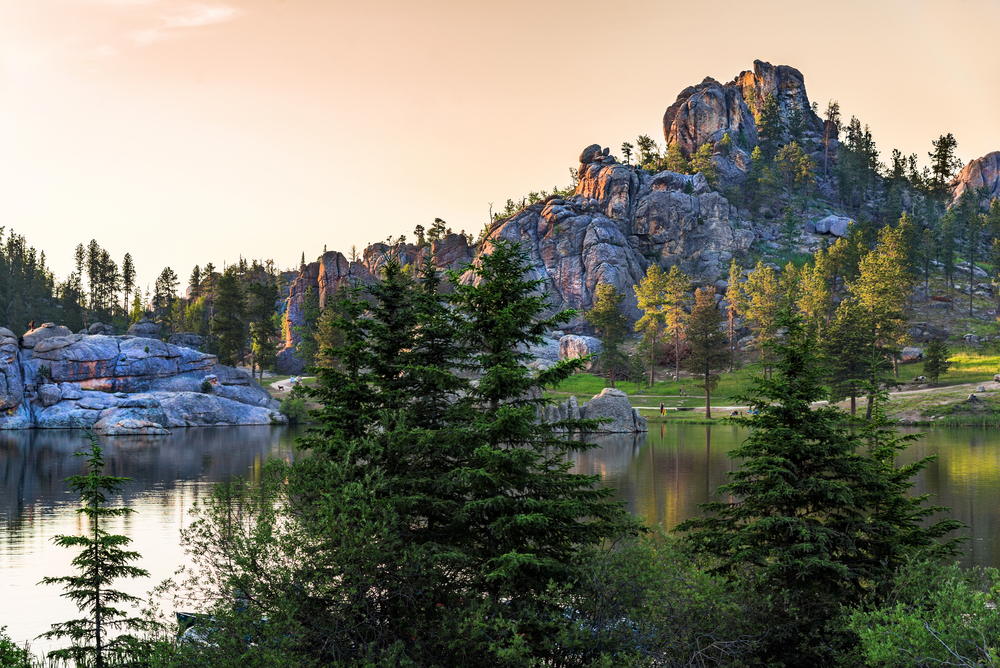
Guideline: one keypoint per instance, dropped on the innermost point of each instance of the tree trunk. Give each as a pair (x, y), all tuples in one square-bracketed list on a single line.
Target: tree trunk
[(677, 357), (854, 404), (708, 401), (895, 367), (868, 409), (652, 360)]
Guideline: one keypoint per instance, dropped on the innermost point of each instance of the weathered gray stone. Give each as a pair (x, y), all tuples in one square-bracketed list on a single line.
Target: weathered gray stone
[(98, 328), (49, 395), (144, 329), (193, 409), (614, 405), (46, 331), (70, 391), (910, 354), (187, 340), (840, 227)]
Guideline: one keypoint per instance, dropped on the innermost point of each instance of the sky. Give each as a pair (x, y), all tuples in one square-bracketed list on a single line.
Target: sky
[(192, 132)]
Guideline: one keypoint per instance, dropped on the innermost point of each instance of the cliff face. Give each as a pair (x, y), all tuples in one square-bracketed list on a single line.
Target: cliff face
[(979, 173), (618, 221), (705, 113)]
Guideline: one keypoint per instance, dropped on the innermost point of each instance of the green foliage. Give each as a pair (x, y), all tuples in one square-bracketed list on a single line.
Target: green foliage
[(944, 164), (807, 529), (229, 323), (12, 656), (675, 160), (708, 343), (101, 561), (936, 615), (701, 163), (607, 318), (295, 409), (435, 521), (769, 130), (206, 387), (936, 359)]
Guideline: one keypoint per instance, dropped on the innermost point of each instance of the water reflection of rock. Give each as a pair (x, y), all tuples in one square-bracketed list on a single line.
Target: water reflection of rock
[(34, 464)]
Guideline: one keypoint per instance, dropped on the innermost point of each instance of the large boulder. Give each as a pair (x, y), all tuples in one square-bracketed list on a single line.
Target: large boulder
[(187, 340), (573, 346), (613, 405), (911, 354), (191, 409), (99, 328), (49, 330), (145, 329)]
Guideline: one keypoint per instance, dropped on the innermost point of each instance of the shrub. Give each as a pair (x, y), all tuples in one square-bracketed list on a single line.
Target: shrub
[(206, 387), (294, 408)]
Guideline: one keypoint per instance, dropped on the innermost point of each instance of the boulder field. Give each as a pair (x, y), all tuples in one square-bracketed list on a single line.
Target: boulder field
[(53, 379)]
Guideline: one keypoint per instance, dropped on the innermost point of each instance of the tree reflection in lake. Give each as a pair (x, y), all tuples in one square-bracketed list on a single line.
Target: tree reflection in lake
[(665, 474)]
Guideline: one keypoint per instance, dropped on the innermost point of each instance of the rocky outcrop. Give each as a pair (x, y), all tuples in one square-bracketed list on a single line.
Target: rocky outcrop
[(705, 113), (333, 270), (145, 329), (611, 406), (982, 172), (573, 346), (838, 226), (120, 385)]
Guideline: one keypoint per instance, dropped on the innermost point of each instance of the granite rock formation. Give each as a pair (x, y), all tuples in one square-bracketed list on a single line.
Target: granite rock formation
[(573, 346), (611, 405), (53, 379), (979, 173), (707, 112)]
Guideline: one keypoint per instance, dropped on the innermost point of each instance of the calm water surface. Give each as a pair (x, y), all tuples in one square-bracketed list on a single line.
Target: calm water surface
[(662, 477)]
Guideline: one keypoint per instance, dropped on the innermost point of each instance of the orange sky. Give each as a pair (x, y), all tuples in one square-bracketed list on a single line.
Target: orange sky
[(187, 132)]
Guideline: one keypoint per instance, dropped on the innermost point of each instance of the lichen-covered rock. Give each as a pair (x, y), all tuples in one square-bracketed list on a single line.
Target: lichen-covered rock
[(614, 405), (911, 354)]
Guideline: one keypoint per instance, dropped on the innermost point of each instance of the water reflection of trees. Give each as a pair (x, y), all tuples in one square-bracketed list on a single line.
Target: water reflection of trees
[(665, 474), (34, 463)]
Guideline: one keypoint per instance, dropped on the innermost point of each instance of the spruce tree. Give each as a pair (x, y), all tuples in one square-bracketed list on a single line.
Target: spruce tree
[(811, 524), (936, 359), (101, 561)]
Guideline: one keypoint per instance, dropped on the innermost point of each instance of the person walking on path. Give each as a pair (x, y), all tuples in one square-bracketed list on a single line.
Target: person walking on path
[(663, 411)]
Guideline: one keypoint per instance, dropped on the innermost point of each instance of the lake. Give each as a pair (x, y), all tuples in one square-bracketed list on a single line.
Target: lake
[(662, 476)]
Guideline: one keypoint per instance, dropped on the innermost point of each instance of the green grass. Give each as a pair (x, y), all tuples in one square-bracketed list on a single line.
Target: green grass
[(584, 386)]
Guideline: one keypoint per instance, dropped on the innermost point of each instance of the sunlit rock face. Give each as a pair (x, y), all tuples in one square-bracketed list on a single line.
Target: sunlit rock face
[(983, 173), (121, 384)]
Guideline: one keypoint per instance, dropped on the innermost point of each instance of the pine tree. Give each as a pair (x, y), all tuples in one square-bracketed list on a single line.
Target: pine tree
[(762, 302), (944, 164), (769, 130), (708, 343), (229, 324), (651, 297), (677, 286), (101, 561), (734, 297), (702, 163), (936, 359), (128, 281), (607, 318), (831, 131)]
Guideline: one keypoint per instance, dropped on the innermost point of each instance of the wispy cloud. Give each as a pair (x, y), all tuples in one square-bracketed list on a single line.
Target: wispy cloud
[(191, 16)]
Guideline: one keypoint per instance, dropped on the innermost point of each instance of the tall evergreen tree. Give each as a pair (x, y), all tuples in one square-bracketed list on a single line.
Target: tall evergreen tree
[(944, 164), (769, 130), (936, 359), (128, 281), (809, 514), (651, 297), (708, 343), (229, 324), (607, 318), (101, 561)]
